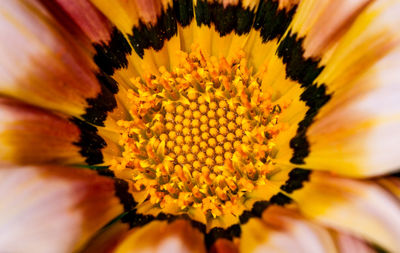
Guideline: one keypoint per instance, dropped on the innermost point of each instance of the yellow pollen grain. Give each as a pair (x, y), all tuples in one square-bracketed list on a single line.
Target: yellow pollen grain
[(193, 106), (179, 118), (170, 108), (186, 122), (180, 109), (177, 150), (222, 104), (212, 142), (231, 126), (169, 126), (227, 146), (195, 149), (204, 128), (188, 114), (211, 114), (220, 138), (223, 121), (236, 144), (204, 119), (172, 135), (212, 123), (220, 112), (203, 108), (230, 115), (179, 139), (210, 152), (213, 131), (163, 137), (195, 131), (195, 123), (219, 159), (228, 155), (185, 131), (188, 139), (196, 139), (203, 145), (196, 114), (205, 136), (185, 148), (170, 144), (178, 128), (219, 150), (230, 137), (201, 156), (201, 100), (169, 116)]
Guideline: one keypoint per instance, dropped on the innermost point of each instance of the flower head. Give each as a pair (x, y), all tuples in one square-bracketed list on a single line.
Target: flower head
[(222, 126)]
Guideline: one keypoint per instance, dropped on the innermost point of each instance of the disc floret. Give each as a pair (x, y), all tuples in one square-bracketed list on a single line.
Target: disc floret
[(201, 138)]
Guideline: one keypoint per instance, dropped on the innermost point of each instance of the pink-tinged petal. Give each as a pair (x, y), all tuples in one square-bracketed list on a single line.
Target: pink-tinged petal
[(41, 64), (53, 209), (30, 135), (361, 208), (282, 230), (349, 244), (81, 15), (160, 236)]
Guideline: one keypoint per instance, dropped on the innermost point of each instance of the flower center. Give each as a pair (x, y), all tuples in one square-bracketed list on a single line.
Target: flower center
[(201, 138)]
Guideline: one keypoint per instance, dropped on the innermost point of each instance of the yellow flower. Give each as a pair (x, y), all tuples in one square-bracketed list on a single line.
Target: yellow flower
[(195, 126)]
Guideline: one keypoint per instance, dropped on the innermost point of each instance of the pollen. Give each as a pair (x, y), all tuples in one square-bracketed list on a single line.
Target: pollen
[(197, 139)]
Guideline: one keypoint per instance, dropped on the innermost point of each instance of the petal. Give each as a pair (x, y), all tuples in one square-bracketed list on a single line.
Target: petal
[(43, 65), (283, 231), (53, 209), (159, 236), (356, 133), (357, 207), (348, 244), (224, 246), (80, 16), (30, 135), (392, 184), (322, 23)]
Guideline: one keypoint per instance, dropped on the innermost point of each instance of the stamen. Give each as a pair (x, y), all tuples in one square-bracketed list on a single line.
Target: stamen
[(197, 137)]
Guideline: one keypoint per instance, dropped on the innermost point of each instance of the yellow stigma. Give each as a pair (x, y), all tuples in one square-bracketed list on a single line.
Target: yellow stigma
[(198, 140)]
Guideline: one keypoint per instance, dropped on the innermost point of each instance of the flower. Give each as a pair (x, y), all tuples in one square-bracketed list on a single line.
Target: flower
[(194, 126)]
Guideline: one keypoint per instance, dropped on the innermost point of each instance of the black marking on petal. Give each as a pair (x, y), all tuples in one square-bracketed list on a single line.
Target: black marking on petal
[(217, 233), (256, 211), (297, 67), (105, 102), (226, 19), (135, 219), (89, 142), (122, 192), (146, 36), (315, 97), (271, 21), (183, 11), (280, 199), (105, 171), (112, 56), (305, 71), (296, 179), (121, 188)]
